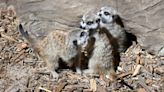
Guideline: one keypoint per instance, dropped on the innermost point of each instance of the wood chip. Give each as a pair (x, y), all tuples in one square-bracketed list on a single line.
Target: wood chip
[(159, 70), (59, 87), (2, 29), (121, 76), (44, 89), (137, 70), (18, 55), (73, 76), (149, 81), (93, 85), (143, 84), (101, 89), (162, 58), (141, 90), (138, 58), (8, 37), (21, 46)]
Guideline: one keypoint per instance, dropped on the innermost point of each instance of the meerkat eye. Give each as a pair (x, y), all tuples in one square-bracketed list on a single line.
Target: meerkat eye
[(98, 20), (82, 34), (106, 13), (89, 22)]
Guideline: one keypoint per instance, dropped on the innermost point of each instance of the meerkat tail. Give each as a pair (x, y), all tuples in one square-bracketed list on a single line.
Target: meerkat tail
[(25, 34), (32, 42)]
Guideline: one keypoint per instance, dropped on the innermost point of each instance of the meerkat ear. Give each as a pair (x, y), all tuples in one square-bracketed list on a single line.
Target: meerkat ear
[(118, 20)]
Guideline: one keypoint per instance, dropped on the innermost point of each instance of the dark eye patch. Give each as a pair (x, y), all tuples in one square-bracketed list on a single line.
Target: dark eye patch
[(98, 20), (82, 34), (106, 13), (89, 22)]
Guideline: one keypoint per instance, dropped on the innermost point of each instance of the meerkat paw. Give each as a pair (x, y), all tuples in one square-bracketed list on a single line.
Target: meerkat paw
[(88, 71), (78, 70)]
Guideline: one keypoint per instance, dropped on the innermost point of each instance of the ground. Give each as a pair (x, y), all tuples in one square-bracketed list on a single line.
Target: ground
[(21, 70)]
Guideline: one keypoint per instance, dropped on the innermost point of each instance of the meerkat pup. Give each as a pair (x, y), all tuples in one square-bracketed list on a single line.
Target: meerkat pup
[(57, 45), (112, 22), (85, 52), (89, 21), (105, 57)]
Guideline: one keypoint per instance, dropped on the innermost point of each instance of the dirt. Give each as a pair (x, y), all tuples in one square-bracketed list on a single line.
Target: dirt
[(22, 71)]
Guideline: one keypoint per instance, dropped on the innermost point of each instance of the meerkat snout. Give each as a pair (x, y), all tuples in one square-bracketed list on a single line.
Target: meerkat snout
[(82, 27), (100, 15), (75, 42)]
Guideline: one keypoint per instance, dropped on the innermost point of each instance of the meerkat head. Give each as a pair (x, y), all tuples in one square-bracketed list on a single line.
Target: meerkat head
[(82, 38), (107, 14), (77, 38), (90, 21)]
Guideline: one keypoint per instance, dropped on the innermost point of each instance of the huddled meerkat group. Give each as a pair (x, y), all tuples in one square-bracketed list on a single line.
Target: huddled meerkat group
[(97, 44)]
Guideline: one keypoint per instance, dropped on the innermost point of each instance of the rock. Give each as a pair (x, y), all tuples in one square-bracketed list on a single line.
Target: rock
[(143, 18)]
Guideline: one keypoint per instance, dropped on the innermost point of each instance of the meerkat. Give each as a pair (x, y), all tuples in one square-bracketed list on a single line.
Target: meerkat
[(85, 52), (105, 58), (57, 45), (112, 22)]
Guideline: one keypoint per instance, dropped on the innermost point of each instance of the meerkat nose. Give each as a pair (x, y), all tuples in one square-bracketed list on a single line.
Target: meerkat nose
[(100, 14), (82, 27)]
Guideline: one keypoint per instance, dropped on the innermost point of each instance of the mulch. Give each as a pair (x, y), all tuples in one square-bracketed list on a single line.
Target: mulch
[(21, 70)]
